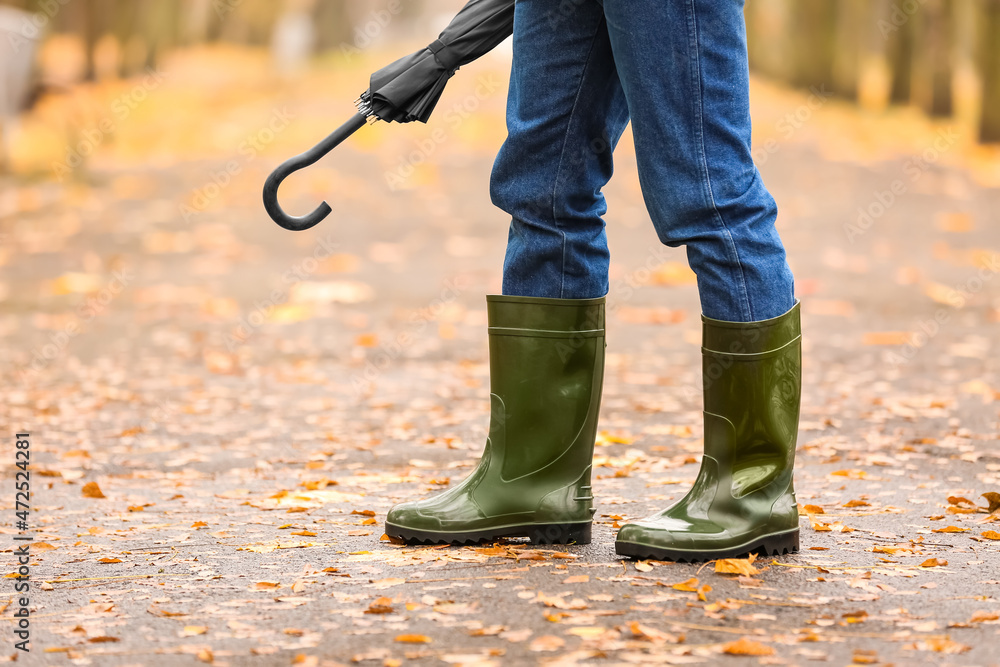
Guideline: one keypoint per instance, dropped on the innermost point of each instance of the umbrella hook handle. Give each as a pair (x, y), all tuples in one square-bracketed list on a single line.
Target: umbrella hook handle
[(311, 156)]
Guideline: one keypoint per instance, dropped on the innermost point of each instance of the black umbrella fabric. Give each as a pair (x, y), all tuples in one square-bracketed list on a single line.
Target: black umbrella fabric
[(405, 91), (409, 89)]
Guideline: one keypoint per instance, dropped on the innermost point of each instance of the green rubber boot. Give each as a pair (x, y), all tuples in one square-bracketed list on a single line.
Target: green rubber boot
[(546, 372), (743, 500)]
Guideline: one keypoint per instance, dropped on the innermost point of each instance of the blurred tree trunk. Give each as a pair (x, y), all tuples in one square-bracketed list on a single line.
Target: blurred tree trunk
[(966, 89), (813, 42), (849, 46), (931, 86), (334, 26), (989, 127), (768, 28), (902, 62), (877, 63)]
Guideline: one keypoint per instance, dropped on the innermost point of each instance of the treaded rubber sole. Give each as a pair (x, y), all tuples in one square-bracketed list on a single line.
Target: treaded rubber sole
[(544, 533), (775, 544)]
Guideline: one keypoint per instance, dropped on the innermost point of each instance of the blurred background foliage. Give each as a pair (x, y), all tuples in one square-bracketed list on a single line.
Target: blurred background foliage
[(938, 57)]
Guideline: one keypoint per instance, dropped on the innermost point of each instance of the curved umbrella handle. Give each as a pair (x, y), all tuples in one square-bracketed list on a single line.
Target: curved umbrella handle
[(291, 222)]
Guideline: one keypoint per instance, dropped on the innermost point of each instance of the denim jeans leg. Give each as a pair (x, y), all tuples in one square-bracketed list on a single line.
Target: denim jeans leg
[(566, 112), (683, 67)]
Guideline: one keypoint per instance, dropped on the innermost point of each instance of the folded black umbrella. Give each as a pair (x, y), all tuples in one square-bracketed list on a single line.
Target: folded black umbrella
[(405, 91)]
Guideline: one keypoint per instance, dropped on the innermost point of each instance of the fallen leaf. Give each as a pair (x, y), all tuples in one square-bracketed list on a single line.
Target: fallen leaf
[(993, 499), (578, 579), (109, 560), (934, 562), (991, 535), (547, 643), (92, 490), (983, 616), (413, 639), (742, 566), (744, 646), (950, 529)]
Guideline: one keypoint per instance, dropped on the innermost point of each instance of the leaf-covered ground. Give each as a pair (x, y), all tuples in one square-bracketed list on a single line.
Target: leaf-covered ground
[(221, 412)]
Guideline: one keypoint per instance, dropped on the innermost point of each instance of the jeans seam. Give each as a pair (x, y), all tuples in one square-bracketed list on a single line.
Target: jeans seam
[(699, 108), (562, 155)]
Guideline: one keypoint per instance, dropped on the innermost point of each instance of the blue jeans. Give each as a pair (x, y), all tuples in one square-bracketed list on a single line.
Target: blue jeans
[(678, 70)]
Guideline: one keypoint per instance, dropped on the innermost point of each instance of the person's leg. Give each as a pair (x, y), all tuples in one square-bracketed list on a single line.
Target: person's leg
[(683, 66), (566, 112), (546, 330)]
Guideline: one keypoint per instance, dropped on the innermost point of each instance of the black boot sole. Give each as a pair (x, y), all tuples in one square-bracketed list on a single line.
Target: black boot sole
[(775, 544), (545, 533)]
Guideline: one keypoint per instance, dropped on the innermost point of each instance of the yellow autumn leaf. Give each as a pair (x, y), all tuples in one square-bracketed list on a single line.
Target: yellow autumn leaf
[(743, 566), (689, 586), (413, 639)]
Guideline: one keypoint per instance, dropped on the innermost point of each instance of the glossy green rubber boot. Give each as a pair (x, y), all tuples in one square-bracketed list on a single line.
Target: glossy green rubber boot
[(743, 499), (546, 373)]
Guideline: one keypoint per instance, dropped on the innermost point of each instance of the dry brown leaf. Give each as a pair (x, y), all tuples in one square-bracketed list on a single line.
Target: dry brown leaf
[(156, 610), (109, 560), (813, 509), (993, 499), (984, 616), (991, 535), (266, 585), (413, 639), (382, 605), (934, 562), (547, 643), (744, 646), (950, 529), (652, 634), (92, 490)]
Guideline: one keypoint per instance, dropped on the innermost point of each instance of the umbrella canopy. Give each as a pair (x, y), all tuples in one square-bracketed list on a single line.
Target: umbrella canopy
[(409, 89)]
